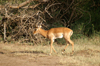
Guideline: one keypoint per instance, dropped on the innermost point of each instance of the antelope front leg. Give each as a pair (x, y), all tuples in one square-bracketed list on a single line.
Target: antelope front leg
[(52, 47)]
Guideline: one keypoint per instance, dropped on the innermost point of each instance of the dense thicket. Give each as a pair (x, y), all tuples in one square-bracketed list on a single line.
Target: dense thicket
[(90, 20), (21, 16)]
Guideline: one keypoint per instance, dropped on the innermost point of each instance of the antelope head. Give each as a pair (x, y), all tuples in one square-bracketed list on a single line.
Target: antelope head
[(36, 31)]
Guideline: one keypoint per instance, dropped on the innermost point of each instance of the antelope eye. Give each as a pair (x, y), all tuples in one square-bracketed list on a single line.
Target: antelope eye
[(35, 29)]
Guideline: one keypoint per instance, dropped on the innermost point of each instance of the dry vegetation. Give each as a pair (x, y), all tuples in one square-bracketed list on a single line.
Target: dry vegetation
[(87, 53), (18, 18), (21, 18)]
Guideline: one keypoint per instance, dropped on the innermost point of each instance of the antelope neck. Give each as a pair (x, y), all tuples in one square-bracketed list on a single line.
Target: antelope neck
[(43, 32)]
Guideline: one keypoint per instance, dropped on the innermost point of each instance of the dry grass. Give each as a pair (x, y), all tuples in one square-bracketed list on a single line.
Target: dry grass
[(87, 52)]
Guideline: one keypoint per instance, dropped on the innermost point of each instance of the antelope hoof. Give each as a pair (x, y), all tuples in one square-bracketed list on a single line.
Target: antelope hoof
[(63, 51), (72, 53), (50, 54)]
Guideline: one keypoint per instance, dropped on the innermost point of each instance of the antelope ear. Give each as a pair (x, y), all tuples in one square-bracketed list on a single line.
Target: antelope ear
[(39, 26)]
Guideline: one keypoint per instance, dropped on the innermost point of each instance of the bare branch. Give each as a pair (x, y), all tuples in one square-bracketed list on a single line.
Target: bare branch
[(67, 9), (48, 6)]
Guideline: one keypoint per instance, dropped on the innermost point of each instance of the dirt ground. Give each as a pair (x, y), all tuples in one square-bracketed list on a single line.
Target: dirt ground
[(7, 58), (17, 55), (25, 58), (27, 61)]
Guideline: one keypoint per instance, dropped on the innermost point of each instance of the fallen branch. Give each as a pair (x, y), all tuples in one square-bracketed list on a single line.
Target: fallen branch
[(32, 6), (26, 2), (22, 4)]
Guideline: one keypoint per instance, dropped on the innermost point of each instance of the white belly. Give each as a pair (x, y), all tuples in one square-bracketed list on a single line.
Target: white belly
[(59, 35)]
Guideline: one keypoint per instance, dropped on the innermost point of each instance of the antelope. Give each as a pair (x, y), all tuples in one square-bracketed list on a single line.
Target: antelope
[(55, 33)]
